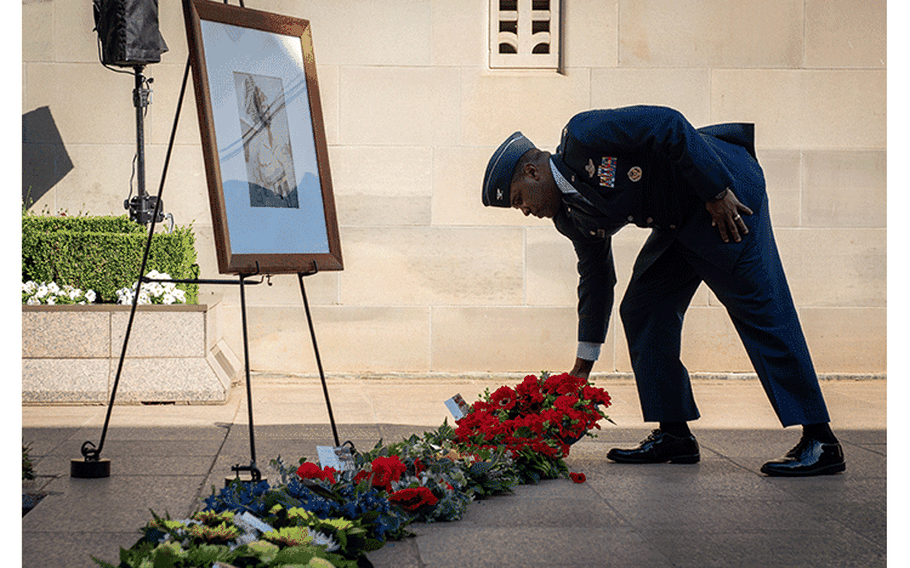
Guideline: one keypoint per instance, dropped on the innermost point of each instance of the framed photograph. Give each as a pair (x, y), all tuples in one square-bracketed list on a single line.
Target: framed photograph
[(263, 140)]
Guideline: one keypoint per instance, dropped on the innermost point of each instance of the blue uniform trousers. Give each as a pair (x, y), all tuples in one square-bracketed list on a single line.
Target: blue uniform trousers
[(756, 295)]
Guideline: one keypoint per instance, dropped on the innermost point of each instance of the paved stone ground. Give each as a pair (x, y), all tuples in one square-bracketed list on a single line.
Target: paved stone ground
[(720, 512)]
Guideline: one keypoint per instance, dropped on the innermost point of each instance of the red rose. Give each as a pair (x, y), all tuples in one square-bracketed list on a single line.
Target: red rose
[(577, 477)]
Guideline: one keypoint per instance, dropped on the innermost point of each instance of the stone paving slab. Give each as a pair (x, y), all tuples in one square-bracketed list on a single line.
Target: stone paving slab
[(720, 512), (837, 547), (54, 547)]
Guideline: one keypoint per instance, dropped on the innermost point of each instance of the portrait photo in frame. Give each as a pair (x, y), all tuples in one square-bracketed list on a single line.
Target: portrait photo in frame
[(263, 140)]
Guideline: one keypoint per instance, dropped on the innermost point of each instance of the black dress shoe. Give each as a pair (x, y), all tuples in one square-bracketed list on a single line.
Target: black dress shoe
[(659, 447), (809, 457)]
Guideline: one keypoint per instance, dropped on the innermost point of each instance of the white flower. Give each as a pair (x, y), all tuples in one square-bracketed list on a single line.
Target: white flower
[(51, 293), (154, 292)]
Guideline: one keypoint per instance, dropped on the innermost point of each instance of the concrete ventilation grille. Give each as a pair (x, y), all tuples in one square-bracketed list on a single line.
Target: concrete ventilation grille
[(524, 34)]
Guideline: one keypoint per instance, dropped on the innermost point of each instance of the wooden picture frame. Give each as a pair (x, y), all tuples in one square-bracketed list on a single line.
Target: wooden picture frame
[(263, 140)]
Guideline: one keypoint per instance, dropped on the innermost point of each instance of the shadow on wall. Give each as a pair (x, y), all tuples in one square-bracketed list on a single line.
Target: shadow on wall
[(44, 158)]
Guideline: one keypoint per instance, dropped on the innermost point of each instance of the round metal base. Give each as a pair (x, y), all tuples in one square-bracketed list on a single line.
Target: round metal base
[(90, 469)]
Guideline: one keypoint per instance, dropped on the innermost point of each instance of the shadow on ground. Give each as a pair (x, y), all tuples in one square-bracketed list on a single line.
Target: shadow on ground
[(721, 512)]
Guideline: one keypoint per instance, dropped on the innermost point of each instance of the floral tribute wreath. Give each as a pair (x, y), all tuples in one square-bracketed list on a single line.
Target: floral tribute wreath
[(322, 517), (536, 421)]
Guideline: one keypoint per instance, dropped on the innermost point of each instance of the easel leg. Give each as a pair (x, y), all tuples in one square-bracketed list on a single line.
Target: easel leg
[(325, 388), (249, 390)]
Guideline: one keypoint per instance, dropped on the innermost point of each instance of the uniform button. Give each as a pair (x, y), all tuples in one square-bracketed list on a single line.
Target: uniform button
[(593, 233), (649, 220), (630, 218), (568, 209)]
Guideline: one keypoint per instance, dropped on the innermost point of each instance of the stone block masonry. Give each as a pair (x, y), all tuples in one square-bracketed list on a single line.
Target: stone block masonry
[(175, 354)]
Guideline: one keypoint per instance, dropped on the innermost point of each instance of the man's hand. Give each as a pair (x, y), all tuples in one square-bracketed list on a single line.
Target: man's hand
[(725, 215), (582, 368)]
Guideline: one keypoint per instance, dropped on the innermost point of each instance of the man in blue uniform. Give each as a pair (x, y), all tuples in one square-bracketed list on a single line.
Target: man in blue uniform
[(702, 192)]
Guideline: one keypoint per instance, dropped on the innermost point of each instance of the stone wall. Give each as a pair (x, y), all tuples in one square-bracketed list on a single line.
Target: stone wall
[(433, 282)]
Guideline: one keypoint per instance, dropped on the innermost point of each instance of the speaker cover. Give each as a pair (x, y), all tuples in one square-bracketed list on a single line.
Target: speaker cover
[(128, 31)]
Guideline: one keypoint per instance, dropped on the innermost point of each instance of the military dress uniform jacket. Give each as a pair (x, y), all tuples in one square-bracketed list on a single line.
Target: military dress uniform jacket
[(650, 167), (647, 166)]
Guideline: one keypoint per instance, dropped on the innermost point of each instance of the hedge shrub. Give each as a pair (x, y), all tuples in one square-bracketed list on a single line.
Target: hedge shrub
[(103, 253)]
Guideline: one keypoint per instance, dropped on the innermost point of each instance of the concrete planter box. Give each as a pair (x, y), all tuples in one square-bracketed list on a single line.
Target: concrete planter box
[(175, 354)]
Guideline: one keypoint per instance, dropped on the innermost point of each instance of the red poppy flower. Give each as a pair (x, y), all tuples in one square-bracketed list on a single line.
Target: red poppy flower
[(482, 406), (413, 498), (528, 392), (309, 470), (563, 384), (387, 470), (565, 403), (504, 398), (596, 395), (540, 414), (577, 477)]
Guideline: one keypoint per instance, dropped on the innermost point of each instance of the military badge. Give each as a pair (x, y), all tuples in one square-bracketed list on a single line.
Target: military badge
[(590, 168), (607, 171), (635, 174)]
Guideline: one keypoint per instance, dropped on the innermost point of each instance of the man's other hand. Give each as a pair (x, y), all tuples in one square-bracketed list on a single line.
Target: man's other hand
[(725, 215)]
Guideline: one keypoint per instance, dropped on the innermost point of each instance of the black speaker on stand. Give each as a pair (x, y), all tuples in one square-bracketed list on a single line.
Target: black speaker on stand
[(128, 37)]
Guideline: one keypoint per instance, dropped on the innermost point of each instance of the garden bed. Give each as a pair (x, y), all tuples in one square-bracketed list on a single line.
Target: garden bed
[(176, 353)]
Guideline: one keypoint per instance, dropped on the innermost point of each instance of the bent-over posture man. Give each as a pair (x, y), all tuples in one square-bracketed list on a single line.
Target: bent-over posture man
[(702, 193)]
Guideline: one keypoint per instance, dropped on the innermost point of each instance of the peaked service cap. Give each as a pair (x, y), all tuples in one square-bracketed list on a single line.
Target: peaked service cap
[(497, 181)]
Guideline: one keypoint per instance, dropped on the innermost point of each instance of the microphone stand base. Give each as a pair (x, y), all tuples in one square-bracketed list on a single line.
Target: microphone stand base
[(90, 469)]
